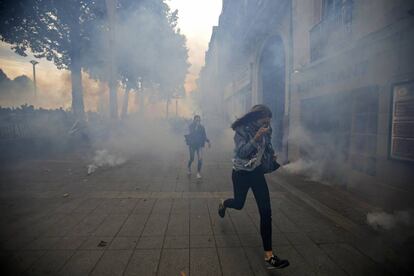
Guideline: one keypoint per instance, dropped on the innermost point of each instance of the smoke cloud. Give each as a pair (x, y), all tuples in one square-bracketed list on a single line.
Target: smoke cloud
[(321, 157), (388, 221), (103, 158), (143, 48)]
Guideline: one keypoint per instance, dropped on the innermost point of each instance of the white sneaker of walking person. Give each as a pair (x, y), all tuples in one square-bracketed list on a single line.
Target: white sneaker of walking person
[(189, 171), (198, 175)]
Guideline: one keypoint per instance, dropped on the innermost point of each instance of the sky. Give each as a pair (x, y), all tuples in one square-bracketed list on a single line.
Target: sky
[(196, 19)]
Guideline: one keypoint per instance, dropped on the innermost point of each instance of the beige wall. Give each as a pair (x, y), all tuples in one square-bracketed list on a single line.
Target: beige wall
[(378, 54), (374, 15), (304, 17)]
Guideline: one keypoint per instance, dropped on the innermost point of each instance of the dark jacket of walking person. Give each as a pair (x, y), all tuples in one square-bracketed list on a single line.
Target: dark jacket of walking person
[(253, 157), (196, 140)]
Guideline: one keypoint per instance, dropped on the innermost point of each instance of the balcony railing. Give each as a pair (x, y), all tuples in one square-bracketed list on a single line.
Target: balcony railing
[(331, 32)]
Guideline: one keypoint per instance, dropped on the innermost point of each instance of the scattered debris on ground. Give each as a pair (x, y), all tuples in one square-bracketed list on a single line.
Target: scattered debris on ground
[(102, 244)]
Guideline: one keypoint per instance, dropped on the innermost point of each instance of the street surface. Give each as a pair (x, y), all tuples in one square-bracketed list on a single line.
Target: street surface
[(147, 217)]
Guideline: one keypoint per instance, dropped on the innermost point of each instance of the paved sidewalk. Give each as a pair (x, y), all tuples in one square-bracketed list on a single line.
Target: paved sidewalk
[(147, 217)]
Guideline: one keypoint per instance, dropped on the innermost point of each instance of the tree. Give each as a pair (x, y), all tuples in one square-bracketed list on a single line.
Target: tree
[(15, 92), (56, 30), (147, 47)]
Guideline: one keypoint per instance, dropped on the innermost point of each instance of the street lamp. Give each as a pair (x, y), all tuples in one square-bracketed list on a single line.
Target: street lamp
[(34, 62)]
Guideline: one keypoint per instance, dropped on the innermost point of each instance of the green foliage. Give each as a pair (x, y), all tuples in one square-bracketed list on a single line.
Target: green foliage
[(147, 46), (47, 27), (74, 35)]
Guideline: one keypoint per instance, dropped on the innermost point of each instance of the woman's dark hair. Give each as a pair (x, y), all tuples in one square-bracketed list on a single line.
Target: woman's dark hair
[(196, 117), (257, 112)]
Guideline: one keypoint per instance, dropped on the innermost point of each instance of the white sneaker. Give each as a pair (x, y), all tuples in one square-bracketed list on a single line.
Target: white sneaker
[(198, 175), (189, 172)]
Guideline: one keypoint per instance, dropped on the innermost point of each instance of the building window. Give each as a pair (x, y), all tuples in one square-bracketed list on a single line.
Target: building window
[(402, 130), (339, 9), (331, 7), (333, 30)]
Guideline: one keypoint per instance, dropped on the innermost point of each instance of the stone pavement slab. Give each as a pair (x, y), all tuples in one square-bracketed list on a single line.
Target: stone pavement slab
[(50, 263), (139, 220), (204, 261), (81, 263), (112, 263), (174, 262), (143, 262)]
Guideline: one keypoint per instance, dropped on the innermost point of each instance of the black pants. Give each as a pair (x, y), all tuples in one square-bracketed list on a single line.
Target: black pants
[(242, 181), (199, 151)]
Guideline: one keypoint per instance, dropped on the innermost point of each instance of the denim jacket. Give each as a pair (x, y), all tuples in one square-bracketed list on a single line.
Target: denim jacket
[(246, 148), (197, 136)]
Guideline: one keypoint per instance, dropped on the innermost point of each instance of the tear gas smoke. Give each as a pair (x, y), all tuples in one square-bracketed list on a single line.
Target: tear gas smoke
[(322, 160), (387, 221), (146, 47), (135, 138), (103, 158)]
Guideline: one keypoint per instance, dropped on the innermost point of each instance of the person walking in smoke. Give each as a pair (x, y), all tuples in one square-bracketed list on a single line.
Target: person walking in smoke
[(254, 157), (196, 141)]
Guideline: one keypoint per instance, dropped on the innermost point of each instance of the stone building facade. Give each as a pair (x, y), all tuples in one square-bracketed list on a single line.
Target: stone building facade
[(338, 76), (249, 32)]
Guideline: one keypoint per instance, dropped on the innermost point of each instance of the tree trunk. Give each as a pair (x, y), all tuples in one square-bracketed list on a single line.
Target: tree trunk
[(113, 99), (168, 104), (76, 73), (141, 103), (124, 111)]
